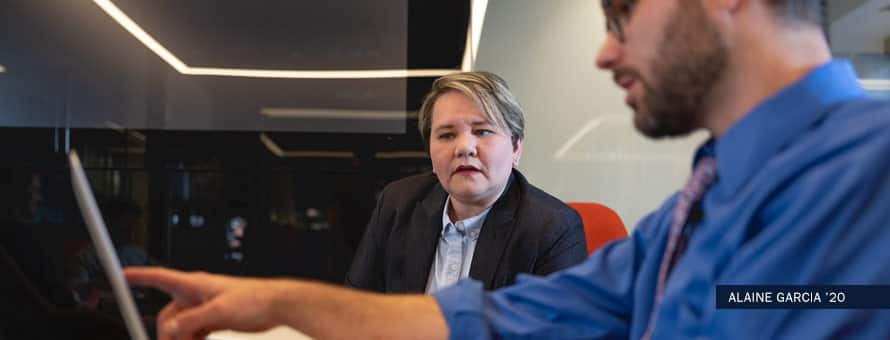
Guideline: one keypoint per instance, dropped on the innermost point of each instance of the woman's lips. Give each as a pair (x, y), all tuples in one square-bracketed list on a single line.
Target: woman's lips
[(466, 170)]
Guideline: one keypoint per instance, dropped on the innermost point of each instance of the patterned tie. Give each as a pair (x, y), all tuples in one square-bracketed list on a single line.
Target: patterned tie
[(682, 226)]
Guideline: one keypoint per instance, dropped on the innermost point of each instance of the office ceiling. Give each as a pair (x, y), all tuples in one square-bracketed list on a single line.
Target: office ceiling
[(70, 58), (317, 35)]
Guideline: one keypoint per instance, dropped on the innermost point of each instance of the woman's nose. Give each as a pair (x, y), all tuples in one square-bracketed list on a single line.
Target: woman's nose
[(466, 146)]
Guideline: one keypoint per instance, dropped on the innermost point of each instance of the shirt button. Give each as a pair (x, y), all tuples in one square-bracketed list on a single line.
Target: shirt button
[(453, 266)]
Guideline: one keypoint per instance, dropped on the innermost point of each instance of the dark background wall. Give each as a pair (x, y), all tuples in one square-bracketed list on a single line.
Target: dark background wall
[(188, 171)]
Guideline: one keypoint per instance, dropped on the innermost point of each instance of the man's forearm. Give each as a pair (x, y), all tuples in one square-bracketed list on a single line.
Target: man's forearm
[(329, 312)]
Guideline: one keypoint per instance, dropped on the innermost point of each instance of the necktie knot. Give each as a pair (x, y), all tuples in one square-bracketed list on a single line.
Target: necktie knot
[(703, 176)]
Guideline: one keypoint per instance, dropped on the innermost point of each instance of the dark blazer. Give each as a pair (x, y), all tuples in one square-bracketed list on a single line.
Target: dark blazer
[(526, 231)]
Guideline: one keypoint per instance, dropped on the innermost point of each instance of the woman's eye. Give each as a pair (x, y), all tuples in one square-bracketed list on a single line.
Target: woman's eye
[(445, 136), (484, 132)]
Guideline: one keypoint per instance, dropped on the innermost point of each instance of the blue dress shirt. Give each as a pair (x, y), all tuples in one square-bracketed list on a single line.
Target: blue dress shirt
[(802, 197), (454, 255)]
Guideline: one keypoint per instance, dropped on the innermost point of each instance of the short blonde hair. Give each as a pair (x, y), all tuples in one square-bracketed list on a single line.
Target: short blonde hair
[(491, 94)]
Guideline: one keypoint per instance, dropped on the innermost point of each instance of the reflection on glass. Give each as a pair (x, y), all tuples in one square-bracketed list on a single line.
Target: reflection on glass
[(234, 235)]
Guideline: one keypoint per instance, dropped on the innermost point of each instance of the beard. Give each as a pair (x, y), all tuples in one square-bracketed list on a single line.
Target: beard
[(692, 59)]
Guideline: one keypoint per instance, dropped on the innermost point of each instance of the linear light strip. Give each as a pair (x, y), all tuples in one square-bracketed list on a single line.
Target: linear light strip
[(128, 24), (474, 33), (140, 34), (875, 84), (271, 145), (120, 129), (622, 157), (469, 59), (332, 74), (278, 151), (584, 130), (287, 112)]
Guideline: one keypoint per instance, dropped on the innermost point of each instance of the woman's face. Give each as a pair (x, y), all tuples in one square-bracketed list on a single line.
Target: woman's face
[(471, 156)]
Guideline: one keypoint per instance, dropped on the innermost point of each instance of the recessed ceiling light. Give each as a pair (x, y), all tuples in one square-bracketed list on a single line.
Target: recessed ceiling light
[(146, 39)]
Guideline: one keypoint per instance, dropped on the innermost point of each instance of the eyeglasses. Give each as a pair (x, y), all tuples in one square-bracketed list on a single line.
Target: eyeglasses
[(617, 15)]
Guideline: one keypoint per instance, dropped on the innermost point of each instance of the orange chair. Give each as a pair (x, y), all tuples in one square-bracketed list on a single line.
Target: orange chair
[(601, 224)]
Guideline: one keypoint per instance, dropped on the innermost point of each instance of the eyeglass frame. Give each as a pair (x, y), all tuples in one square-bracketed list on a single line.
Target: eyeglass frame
[(618, 14)]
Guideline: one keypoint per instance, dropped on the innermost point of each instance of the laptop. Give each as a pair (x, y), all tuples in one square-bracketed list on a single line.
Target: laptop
[(115, 274)]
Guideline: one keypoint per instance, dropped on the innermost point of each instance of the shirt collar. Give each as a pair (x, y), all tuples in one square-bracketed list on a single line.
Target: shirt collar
[(772, 124), (471, 225)]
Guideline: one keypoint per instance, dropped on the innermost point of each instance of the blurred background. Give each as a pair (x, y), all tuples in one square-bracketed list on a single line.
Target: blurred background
[(252, 137)]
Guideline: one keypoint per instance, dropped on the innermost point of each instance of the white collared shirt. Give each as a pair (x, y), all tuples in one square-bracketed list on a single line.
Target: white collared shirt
[(454, 255)]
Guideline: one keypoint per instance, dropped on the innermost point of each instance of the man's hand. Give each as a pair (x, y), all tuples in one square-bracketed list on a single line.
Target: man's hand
[(203, 303)]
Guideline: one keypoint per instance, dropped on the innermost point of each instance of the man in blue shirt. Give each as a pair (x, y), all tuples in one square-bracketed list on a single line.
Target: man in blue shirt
[(792, 189)]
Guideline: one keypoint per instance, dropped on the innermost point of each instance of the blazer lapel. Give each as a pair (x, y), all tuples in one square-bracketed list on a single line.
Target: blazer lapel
[(495, 233), (423, 239)]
